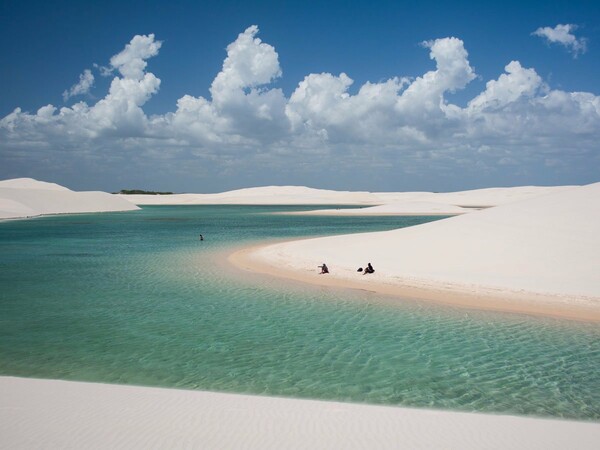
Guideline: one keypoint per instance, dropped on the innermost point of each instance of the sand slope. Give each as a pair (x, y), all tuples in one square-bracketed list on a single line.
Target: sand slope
[(484, 198), (268, 195), (547, 244), (403, 208), (25, 197), (299, 195), (68, 415), (30, 183)]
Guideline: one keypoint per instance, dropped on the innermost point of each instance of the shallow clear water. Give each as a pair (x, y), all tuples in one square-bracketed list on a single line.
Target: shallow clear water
[(136, 298)]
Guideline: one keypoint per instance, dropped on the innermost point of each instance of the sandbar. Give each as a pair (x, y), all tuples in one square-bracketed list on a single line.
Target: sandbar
[(537, 256), (463, 296)]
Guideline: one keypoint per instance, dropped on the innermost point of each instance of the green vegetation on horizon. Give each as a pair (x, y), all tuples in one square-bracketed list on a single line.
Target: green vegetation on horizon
[(139, 191)]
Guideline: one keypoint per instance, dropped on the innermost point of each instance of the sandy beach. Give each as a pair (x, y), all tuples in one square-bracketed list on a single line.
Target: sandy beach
[(63, 414), (250, 259), (535, 256)]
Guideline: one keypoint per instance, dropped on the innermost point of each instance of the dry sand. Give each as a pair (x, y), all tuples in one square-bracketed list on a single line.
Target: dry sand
[(26, 197), (71, 415), (407, 208), (267, 195), (300, 195), (540, 255)]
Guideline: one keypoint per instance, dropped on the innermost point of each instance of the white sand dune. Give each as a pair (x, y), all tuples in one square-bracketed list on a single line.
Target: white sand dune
[(299, 195), (496, 196), (10, 208), (26, 197), (268, 195), (448, 203), (547, 245), (405, 208), (70, 415), (30, 183)]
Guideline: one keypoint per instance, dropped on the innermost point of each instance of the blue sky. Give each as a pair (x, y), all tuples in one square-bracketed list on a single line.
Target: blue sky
[(281, 112)]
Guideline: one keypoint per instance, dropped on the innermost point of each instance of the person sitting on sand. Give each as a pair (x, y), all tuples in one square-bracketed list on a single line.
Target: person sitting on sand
[(324, 269), (368, 269)]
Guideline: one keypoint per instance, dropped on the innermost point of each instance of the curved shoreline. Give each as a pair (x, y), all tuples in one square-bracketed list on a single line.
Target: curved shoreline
[(337, 213), (462, 296)]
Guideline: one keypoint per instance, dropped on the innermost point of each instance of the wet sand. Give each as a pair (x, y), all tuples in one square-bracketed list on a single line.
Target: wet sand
[(464, 296)]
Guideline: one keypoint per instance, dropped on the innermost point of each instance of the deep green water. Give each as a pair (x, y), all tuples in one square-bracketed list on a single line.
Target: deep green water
[(136, 298)]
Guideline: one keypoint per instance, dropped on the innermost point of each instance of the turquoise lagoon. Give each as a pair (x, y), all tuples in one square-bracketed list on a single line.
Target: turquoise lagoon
[(136, 298)]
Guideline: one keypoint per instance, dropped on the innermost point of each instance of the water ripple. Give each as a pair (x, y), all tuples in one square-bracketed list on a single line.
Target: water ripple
[(136, 299)]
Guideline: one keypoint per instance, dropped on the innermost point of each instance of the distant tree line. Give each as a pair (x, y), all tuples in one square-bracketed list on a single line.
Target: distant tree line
[(139, 191)]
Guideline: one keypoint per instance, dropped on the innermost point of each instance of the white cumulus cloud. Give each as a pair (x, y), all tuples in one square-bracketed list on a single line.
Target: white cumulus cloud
[(562, 34), (131, 62), (405, 125), (397, 110), (516, 83), (86, 81), (242, 110), (249, 63), (119, 113)]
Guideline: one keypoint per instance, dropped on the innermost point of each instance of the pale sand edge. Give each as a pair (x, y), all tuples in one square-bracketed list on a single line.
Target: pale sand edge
[(480, 298), (38, 413), (365, 214)]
